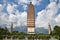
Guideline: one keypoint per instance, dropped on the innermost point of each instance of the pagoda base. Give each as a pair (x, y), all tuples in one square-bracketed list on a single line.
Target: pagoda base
[(30, 30)]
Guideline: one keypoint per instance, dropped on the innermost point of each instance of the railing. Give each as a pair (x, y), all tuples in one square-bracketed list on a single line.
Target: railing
[(25, 39)]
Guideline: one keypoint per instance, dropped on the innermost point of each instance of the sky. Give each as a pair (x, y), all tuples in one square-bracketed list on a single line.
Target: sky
[(15, 11)]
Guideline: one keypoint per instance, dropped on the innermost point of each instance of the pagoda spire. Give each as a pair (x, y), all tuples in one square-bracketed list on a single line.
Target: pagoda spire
[(30, 1)]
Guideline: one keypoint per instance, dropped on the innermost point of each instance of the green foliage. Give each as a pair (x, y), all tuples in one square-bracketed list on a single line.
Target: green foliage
[(5, 33), (56, 32), (18, 35), (38, 36), (31, 36), (15, 34)]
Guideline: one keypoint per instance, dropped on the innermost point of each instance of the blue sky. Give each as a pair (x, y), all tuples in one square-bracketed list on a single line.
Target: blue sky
[(42, 5), (46, 11)]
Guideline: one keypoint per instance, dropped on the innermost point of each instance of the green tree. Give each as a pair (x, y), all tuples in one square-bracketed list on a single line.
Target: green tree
[(56, 32), (2, 32)]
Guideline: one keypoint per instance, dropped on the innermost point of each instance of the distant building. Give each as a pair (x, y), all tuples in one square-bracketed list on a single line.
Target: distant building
[(30, 19), (11, 28), (49, 28)]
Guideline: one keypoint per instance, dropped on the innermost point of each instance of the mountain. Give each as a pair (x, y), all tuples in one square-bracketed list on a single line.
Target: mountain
[(37, 30), (24, 29), (21, 29), (41, 30)]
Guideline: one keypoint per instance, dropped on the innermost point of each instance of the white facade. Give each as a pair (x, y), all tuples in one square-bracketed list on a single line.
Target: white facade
[(30, 30)]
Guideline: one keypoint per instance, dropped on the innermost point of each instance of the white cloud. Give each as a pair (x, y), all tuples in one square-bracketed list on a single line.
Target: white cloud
[(41, 20), (47, 16), (51, 10), (22, 1), (25, 2), (12, 18), (2, 15), (25, 7), (59, 0), (11, 8), (22, 18), (34, 2), (1, 7), (53, 0), (59, 5), (18, 18), (3, 18), (57, 19)]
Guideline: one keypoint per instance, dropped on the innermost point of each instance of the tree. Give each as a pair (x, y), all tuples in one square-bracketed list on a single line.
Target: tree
[(2, 32), (56, 32)]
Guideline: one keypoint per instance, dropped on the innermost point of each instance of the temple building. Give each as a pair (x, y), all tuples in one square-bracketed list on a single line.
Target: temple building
[(30, 19)]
